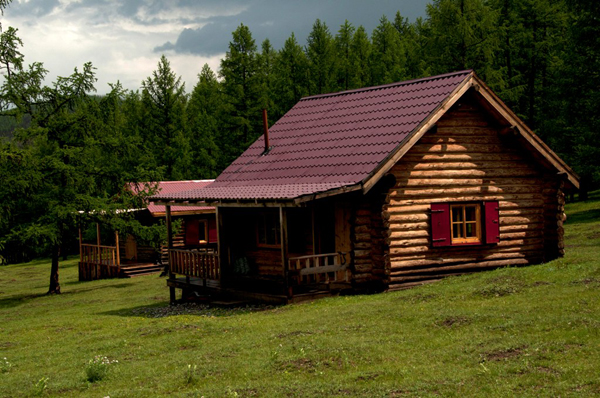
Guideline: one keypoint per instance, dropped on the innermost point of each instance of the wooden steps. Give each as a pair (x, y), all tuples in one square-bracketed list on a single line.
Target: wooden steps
[(130, 271)]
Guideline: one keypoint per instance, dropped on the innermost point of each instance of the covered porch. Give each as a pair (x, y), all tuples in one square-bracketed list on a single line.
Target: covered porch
[(275, 254)]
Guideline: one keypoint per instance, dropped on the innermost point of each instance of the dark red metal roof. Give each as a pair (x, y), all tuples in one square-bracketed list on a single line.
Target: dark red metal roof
[(170, 188), (329, 141)]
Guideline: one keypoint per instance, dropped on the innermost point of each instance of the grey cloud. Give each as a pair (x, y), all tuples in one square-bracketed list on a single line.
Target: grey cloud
[(276, 20), (32, 8)]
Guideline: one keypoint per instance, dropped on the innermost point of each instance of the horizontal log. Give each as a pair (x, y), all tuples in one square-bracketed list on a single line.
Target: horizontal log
[(399, 265), (403, 218), (403, 201), (463, 139), (508, 170), (462, 266), (418, 233), (482, 164), (409, 227), (507, 246), (462, 122), (461, 148), (468, 182), (459, 157)]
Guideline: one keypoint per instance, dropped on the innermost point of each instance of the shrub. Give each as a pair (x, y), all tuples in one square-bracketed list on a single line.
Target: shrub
[(97, 368)]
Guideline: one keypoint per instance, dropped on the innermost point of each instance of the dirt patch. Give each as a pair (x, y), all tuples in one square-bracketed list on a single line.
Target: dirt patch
[(504, 355), (368, 377), (453, 321), (547, 370), (295, 333)]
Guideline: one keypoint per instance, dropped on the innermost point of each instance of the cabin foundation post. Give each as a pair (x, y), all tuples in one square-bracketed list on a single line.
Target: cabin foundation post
[(170, 247)]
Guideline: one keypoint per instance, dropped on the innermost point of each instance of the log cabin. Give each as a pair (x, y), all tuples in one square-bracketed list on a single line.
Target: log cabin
[(379, 189), (127, 255)]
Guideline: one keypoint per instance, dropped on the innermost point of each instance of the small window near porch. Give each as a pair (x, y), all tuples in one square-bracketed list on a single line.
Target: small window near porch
[(196, 232), (268, 233)]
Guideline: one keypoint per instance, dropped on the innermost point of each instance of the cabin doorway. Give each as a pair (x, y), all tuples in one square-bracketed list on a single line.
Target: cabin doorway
[(131, 249)]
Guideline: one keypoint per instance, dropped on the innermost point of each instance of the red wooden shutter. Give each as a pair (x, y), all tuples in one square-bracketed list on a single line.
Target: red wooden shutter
[(212, 231), (440, 224), (492, 222), (192, 232)]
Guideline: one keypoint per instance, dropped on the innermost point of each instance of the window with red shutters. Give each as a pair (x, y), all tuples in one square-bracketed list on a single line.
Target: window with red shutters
[(459, 224), (440, 224), (492, 222)]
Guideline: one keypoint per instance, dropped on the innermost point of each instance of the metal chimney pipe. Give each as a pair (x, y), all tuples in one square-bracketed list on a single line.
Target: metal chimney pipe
[(266, 127)]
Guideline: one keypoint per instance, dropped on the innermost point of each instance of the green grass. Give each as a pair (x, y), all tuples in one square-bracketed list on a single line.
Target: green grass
[(532, 331)]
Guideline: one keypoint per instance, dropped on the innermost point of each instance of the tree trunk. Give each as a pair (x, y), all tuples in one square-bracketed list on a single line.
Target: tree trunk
[(54, 283)]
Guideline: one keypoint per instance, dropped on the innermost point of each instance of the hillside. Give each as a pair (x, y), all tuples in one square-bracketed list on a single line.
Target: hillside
[(531, 331)]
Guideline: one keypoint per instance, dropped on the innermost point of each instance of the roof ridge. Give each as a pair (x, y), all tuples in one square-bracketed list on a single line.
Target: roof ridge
[(396, 84)]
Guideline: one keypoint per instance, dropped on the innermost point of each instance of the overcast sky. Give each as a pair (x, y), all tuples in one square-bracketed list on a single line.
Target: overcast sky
[(125, 39)]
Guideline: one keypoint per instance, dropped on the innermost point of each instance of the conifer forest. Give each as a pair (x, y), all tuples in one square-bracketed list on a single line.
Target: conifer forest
[(66, 153)]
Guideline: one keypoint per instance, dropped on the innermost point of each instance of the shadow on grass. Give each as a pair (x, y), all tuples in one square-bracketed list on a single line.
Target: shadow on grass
[(163, 310), (584, 217), (15, 301)]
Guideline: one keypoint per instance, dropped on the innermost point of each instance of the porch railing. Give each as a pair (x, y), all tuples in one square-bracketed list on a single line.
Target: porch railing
[(94, 254), (98, 262), (204, 265), (320, 268)]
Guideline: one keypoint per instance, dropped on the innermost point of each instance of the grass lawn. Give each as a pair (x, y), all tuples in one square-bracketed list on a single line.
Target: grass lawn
[(532, 331)]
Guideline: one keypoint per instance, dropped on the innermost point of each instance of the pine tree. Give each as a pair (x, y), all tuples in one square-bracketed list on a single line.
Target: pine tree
[(387, 55), (242, 121), (163, 100), (361, 58), (203, 114), (344, 55), (291, 82), (321, 59)]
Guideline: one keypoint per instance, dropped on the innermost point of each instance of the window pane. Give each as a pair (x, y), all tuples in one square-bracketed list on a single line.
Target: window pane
[(457, 214), (470, 213), (457, 230), (471, 230)]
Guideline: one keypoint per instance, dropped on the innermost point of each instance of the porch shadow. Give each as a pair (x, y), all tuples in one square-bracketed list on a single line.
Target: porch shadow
[(583, 217), (197, 309)]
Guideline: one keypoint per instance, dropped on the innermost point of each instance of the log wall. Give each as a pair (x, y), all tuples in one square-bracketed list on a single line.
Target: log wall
[(466, 159), (369, 243)]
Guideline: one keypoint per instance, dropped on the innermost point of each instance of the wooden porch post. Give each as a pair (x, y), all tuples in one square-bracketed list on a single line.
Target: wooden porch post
[(220, 245), (80, 247), (169, 248), (117, 245), (98, 251), (284, 250), (314, 234)]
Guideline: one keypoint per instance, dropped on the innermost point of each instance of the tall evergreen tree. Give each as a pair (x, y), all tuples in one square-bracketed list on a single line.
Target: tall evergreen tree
[(163, 101), (344, 55), (291, 82), (321, 59), (242, 95), (463, 36), (203, 113), (361, 58), (387, 56)]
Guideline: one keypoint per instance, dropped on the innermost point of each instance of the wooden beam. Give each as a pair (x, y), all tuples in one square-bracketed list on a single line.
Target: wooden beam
[(284, 250), (220, 247), (117, 245), (80, 242)]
